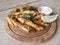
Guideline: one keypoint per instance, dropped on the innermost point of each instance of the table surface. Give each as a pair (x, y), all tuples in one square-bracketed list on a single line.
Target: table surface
[(5, 39)]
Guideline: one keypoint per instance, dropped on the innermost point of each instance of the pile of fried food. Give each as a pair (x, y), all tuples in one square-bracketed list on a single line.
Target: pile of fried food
[(26, 18)]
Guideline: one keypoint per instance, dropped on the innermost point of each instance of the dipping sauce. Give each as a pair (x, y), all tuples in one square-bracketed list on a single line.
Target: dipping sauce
[(45, 9)]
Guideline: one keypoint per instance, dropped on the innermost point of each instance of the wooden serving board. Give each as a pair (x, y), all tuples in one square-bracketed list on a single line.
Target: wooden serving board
[(39, 37)]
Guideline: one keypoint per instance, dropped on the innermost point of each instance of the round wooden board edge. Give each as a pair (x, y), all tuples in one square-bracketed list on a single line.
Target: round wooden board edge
[(35, 39)]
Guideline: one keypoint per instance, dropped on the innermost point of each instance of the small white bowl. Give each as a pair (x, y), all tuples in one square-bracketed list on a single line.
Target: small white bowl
[(45, 9)]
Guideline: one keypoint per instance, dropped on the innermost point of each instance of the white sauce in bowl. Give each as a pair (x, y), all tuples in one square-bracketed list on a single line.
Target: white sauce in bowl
[(44, 9)]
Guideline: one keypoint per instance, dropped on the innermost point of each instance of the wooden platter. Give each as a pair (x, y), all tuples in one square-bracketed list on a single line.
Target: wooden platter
[(37, 37)]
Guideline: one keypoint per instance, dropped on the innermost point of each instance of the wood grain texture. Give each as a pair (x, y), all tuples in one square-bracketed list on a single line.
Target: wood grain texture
[(41, 38)]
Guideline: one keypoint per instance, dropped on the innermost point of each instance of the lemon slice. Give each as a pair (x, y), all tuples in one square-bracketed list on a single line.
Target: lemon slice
[(49, 19)]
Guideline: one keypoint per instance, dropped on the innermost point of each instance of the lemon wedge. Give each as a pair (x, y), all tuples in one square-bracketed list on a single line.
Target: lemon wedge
[(49, 19)]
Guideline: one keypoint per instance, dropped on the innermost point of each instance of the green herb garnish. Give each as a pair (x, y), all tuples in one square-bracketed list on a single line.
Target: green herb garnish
[(24, 8), (12, 17), (30, 14), (27, 15), (25, 27), (31, 8)]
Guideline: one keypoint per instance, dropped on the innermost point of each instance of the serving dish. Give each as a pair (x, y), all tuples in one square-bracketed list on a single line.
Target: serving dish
[(38, 32)]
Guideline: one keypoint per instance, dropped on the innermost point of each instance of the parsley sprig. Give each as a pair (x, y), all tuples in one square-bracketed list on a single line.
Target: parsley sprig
[(27, 15)]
